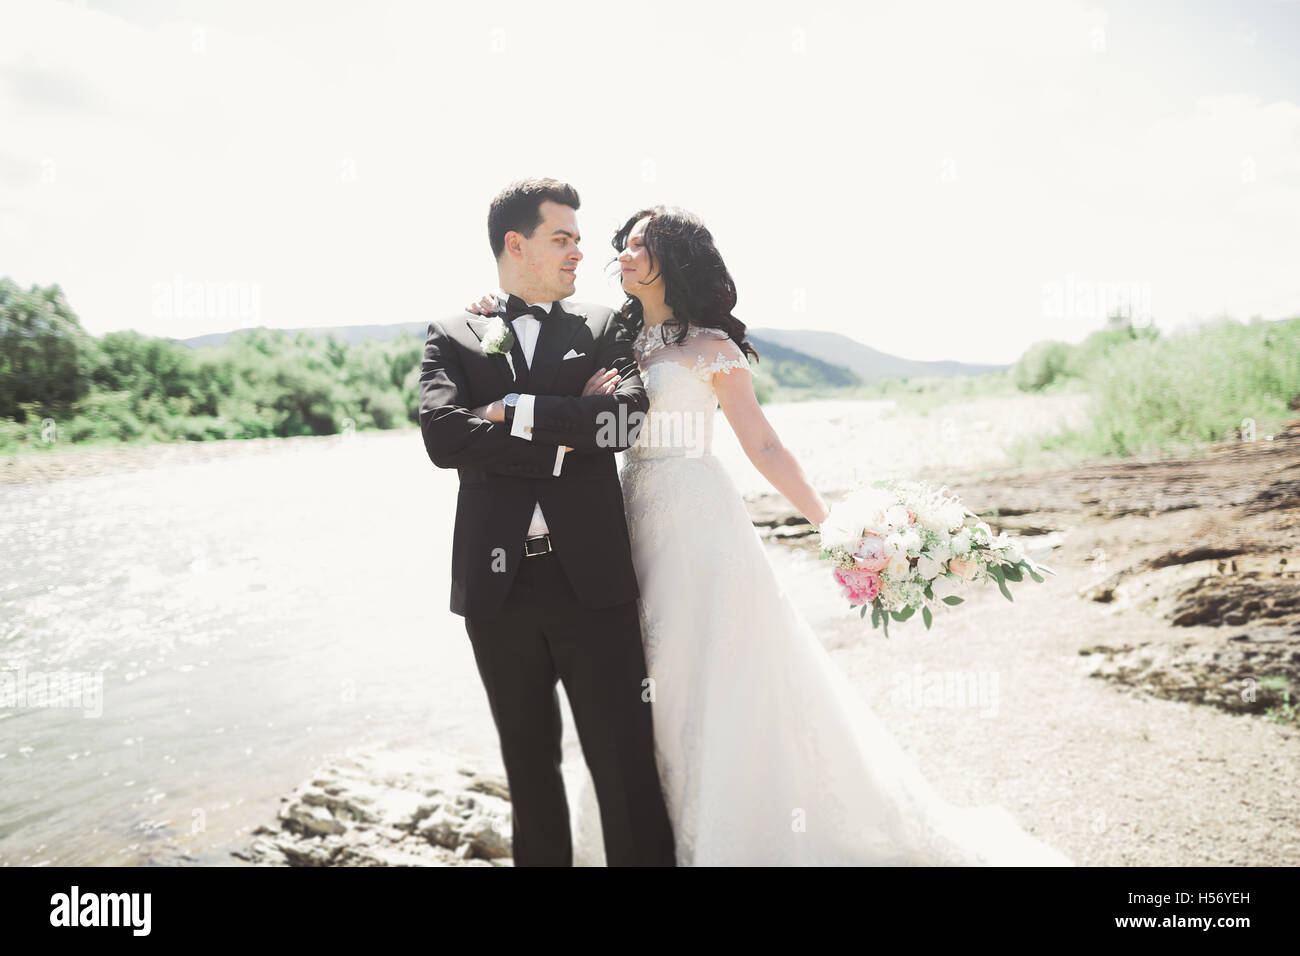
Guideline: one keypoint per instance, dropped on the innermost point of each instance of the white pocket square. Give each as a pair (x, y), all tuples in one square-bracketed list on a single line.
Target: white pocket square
[(572, 354)]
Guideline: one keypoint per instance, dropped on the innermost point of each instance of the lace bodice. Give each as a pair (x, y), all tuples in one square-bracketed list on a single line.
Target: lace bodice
[(679, 383)]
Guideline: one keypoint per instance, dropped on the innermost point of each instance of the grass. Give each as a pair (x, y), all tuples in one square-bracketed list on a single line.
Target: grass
[(1196, 387), (1286, 713)]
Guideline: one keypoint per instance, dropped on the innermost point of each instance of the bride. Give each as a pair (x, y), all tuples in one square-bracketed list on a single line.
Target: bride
[(767, 754)]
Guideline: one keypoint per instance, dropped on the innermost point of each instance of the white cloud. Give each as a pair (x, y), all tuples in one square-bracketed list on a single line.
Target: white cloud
[(939, 165)]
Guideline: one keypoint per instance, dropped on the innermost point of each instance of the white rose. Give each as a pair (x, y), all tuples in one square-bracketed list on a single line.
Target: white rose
[(943, 586), (497, 337), (935, 521), (864, 505), (961, 541), (836, 532), (952, 516), (896, 516), (927, 567)]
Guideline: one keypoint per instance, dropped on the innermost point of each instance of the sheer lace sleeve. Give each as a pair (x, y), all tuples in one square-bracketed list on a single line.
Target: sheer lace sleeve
[(717, 353)]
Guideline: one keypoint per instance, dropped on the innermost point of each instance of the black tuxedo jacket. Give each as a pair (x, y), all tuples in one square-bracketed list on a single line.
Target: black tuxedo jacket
[(502, 476)]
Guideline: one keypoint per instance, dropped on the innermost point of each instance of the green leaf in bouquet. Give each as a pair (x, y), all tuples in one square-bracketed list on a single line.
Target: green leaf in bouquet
[(1012, 572), (906, 613), (1035, 575), (953, 600), (863, 612), (927, 617), (875, 615), (823, 554)]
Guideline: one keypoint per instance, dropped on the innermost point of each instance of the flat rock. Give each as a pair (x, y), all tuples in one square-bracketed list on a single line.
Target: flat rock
[(390, 807)]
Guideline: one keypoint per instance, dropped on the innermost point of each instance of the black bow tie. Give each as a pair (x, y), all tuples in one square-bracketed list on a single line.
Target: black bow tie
[(516, 307)]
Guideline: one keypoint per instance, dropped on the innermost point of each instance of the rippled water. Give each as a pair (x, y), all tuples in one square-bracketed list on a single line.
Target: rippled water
[(248, 616)]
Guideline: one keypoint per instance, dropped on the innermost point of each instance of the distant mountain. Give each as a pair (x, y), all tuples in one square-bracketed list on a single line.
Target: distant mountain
[(794, 369), (791, 358), (867, 363)]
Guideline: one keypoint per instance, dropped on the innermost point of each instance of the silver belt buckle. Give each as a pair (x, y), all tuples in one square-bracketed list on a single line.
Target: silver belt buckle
[(544, 539)]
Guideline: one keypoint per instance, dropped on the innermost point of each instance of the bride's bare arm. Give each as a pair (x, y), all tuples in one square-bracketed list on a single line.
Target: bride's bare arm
[(763, 446)]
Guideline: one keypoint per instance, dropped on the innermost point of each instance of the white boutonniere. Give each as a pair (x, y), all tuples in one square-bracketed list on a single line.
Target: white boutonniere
[(497, 337)]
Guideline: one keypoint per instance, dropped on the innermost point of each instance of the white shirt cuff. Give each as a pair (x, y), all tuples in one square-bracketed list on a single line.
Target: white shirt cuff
[(523, 424), (559, 460)]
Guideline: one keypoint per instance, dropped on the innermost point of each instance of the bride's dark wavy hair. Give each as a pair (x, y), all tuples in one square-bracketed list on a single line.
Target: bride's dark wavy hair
[(697, 286)]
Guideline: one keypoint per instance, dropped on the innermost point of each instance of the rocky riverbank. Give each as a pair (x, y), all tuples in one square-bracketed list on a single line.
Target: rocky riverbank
[(384, 807)]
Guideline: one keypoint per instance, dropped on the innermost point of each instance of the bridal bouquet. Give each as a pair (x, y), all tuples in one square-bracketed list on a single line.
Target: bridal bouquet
[(903, 545)]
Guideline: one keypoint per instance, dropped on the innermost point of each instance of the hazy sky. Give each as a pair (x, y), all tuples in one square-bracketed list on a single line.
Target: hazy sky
[(939, 181)]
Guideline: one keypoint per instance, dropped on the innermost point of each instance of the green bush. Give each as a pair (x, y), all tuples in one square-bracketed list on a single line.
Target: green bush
[(385, 410), (126, 386), (1203, 384), (1043, 364)]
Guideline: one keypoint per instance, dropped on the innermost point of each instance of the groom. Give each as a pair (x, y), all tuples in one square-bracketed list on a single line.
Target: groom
[(541, 566)]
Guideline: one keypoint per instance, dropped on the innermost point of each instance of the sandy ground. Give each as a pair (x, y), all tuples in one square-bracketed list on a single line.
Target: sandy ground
[(1110, 778)]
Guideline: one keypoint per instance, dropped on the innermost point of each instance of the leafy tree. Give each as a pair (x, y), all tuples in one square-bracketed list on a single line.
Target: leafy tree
[(45, 355)]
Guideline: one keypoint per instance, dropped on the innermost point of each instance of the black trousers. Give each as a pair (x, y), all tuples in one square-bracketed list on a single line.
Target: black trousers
[(543, 633)]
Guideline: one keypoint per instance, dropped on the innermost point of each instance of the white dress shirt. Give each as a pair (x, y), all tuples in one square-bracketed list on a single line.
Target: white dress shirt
[(527, 327)]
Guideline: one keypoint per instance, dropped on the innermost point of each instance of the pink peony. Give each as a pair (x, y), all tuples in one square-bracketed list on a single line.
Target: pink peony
[(871, 554), (860, 587), (963, 569)]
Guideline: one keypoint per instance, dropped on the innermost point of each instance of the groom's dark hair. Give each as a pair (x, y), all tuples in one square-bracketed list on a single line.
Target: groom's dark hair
[(517, 208)]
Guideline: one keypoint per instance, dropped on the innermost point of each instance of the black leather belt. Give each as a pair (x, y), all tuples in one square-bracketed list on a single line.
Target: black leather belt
[(538, 544)]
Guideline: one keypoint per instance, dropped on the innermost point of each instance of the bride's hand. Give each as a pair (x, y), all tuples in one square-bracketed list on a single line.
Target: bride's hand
[(602, 383), (484, 306), (823, 513)]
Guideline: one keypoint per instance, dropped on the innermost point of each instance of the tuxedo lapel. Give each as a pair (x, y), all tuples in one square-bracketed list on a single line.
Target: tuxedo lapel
[(522, 375), (478, 325), (558, 330)]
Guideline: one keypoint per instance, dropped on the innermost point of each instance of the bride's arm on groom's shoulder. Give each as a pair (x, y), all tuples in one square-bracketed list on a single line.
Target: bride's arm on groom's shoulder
[(454, 436), (594, 423), (762, 445)]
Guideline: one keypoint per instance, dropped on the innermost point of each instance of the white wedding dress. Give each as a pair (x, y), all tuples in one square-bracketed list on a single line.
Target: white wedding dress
[(766, 752)]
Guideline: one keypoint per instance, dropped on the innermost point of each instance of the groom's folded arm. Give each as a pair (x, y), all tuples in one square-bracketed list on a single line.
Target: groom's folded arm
[(522, 427), (593, 423), (455, 437)]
